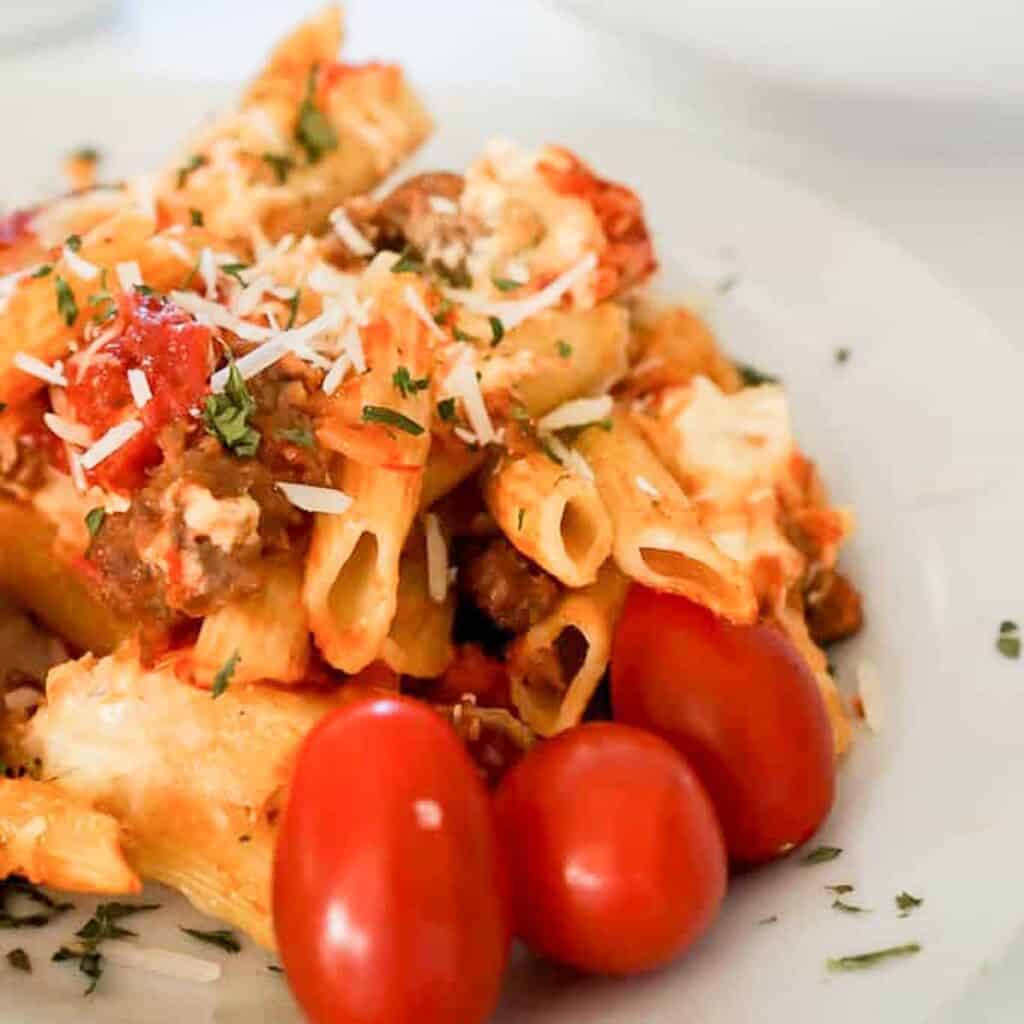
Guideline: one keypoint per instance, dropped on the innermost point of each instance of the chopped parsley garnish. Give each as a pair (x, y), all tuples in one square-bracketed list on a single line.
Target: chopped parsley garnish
[(223, 677), (195, 217), (222, 938), (281, 164), (235, 270), (497, 329), (66, 305), (564, 349), (42, 270), (14, 888), (297, 435), (727, 283), (94, 520), (849, 908), (842, 355), (769, 920), (862, 960), (444, 307), (839, 890), (73, 242), (405, 384), (144, 290), (457, 277), (1008, 641), (19, 960), (519, 518), (461, 335), (313, 131), (100, 927), (226, 416), (293, 309), (518, 411), (822, 855), (906, 903), (607, 424), (505, 284), (409, 262), (752, 377), (193, 163), (275, 968), (391, 418), (446, 409), (90, 154)]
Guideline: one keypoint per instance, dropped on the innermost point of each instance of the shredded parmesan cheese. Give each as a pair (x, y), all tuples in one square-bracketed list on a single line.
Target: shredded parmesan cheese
[(569, 457), (646, 487), (77, 473), (336, 374), (78, 266), (514, 313), (349, 233), (462, 383), (216, 315), (208, 271), (67, 430), (116, 437), (246, 301), (162, 961), (437, 559), (128, 275), (353, 343), (415, 302), (327, 500), (37, 368), (443, 205), (578, 413), (138, 384)]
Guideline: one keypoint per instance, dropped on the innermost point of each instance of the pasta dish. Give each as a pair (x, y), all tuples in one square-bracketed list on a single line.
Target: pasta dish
[(287, 431)]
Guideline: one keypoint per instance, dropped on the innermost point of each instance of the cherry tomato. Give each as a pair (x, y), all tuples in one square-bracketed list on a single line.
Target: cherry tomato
[(389, 897), (743, 707), (173, 351), (616, 860)]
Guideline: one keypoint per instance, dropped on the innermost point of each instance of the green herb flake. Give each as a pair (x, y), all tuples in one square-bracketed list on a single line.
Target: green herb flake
[(906, 903), (13, 889), (19, 960), (195, 217), (848, 908), (293, 308), (42, 270), (546, 448), (773, 919), (73, 242), (822, 855), (505, 284), (862, 960), (519, 518), (235, 271), (497, 330), (461, 335), (275, 968), (391, 418), (519, 412), (94, 520), (144, 290), (839, 890), (281, 165), (456, 277), (842, 355), (444, 307), (1008, 640), (90, 154), (752, 377), (193, 163), (408, 262), (727, 283), (297, 435), (313, 131), (223, 677), (226, 416), (446, 409), (405, 383), (222, 938), (66, 305), (564, 349)]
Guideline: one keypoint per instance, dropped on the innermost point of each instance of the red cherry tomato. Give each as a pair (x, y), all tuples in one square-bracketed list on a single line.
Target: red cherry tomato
[(616, 860), (173, 351), (743, 707), (389, 899)]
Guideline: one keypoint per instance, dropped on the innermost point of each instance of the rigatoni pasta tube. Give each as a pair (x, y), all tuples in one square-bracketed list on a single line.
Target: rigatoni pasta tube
[(556, 666), (53, 839), (554, 517), (658, 540), (269, 632), (419, 642)]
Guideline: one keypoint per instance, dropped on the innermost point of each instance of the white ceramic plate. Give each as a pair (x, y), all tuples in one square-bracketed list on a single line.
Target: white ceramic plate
[(920, 430)]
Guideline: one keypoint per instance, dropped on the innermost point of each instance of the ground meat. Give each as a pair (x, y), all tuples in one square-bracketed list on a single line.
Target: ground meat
[(510, 589), (834, 608)]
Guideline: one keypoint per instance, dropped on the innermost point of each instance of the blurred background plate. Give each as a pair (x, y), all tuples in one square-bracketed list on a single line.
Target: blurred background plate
[(24, 21)]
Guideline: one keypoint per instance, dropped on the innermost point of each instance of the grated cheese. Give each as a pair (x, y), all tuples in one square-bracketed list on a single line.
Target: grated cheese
[(514, 313), (517, 271), (67, 430), (414, 301), (208, 271), (37, 368), (128, 275), (138, 384), (428, 814), (437, 559), (77, 473), (443, 205), (116, 437), (162, 961), (349, 233), (78, 266), (246, 301), (462, 383), (569, 457), (327, 500), (353, 343), (142, 187), (646, 487), (577, 413), (465, 436), (216, 315), (336, 374)]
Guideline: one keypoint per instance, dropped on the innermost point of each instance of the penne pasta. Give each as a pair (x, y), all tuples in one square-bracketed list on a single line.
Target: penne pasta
[(658, 539), (553, 516), (556, 666)]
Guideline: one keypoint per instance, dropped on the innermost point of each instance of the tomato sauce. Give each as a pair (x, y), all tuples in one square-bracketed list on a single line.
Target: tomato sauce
[(172, 350)]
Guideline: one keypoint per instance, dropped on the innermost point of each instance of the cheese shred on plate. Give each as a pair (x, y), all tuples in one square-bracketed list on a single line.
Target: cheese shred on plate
[(578, 413), (138, 384), (78, 266), (327, 500), (128, 275), (37, 368), (462, 383), (349, 233), (415, 303), (67, 430), (116, 437), (437, 559)]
